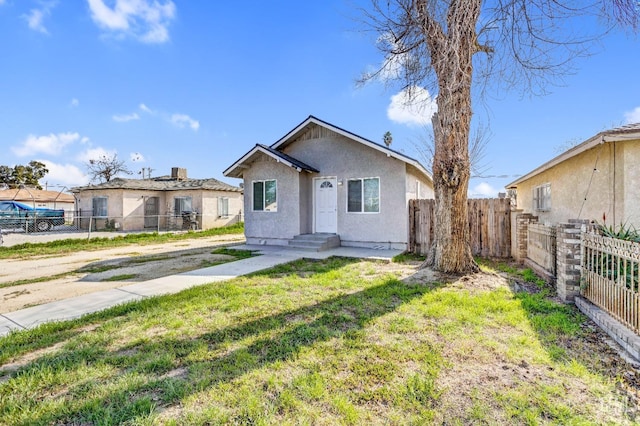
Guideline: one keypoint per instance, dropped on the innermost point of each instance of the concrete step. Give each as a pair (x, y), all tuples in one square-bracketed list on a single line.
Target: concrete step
[(315, 242)]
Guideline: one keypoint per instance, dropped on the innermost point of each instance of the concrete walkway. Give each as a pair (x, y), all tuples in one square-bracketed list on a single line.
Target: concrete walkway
[(76, 307)]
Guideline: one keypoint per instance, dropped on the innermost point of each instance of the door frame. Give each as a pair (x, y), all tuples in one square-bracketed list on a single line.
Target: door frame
[(149, 218), (314, 201)]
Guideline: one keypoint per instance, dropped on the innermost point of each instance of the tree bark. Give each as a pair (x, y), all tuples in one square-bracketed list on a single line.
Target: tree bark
[(451, 249), (451, 55)]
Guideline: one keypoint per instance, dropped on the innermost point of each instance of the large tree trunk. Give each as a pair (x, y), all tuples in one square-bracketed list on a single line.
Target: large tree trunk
[(451, 250), (452, 50)]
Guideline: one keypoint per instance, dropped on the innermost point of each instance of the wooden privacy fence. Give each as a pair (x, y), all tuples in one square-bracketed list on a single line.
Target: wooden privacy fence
[(610, 277), (489, 226)]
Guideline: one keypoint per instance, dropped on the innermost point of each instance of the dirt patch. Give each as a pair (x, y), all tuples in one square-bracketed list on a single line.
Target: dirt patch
[(143, 268), (88, 272)]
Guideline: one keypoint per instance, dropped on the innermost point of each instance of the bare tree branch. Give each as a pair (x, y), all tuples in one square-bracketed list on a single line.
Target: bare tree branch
[(446, 46), (105, 167)]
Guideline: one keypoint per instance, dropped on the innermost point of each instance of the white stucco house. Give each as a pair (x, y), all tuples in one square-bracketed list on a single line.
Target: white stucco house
[(594, 180), (322, 180)]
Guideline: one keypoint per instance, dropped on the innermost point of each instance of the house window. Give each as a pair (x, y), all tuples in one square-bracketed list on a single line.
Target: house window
[(182, 204), (363, 195), (265, 196), (223, 206), (100, 206), (542, 198)]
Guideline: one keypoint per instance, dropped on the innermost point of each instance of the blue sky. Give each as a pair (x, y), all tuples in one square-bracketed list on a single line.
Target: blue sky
[(196, 84)]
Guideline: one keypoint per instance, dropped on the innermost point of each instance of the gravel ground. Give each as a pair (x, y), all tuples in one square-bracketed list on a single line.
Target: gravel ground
[(73, 274)]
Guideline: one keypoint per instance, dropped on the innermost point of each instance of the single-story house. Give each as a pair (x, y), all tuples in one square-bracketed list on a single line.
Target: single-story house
[(159, 203), (40, 198), (321, 179), (595, 180)]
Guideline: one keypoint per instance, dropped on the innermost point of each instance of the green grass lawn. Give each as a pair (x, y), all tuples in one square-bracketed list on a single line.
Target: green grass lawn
[(70, 245), (316, 342)]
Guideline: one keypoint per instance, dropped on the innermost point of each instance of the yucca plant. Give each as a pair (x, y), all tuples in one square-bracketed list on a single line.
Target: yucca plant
[(613, 267), (624, 232)]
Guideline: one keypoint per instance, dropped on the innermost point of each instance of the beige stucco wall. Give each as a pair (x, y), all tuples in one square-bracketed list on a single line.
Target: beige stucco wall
[(577, 192), (629, 157), (210, 216), (126, 207)]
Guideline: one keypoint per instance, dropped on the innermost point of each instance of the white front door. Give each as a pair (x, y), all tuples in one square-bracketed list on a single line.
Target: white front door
[(326, 205)]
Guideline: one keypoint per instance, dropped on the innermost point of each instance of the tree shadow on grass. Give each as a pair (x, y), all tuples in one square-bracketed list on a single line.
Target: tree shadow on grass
[(236, 351)]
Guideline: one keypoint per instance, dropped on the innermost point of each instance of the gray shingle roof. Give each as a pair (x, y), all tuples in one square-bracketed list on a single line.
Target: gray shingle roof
[(628, 128), (290, 159), (161, 183)]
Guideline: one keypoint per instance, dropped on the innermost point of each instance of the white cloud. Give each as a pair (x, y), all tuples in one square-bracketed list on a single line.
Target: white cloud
[(146, 109), (136, 157), (35, 19), (74, 102), (50, 144), (123, 118), (413, 107), (632, 116), (65, 174), (95, 153), (144, 20), (483, 190), (391, 68), (182, 120)]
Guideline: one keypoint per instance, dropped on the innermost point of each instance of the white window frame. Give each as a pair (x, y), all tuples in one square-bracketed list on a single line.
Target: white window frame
[(223, 206), (362, 195), (178, 212), (264, 196), (106, 206), (542, 198)]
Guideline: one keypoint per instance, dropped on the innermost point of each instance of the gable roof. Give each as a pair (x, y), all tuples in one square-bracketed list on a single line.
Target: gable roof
[(618, 134), (36, 195), (235, 170), (161, 183)]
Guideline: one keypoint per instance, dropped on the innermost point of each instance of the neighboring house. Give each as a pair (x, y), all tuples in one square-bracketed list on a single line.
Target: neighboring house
[(595, 180), (41, 198), (159, 203), (319, 178)]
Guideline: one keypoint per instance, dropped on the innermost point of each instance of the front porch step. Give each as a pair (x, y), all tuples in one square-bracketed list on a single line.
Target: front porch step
[(315, 242)]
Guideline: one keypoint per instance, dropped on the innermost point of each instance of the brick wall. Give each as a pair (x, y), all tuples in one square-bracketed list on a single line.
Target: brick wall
[(568, 257), (522, 222)]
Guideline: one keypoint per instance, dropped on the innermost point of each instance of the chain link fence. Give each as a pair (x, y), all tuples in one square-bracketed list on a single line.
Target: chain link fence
[(78, 221)]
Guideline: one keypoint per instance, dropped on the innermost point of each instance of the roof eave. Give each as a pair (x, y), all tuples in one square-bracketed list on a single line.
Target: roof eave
[(388, 152), (233, 170), (576, 150)]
